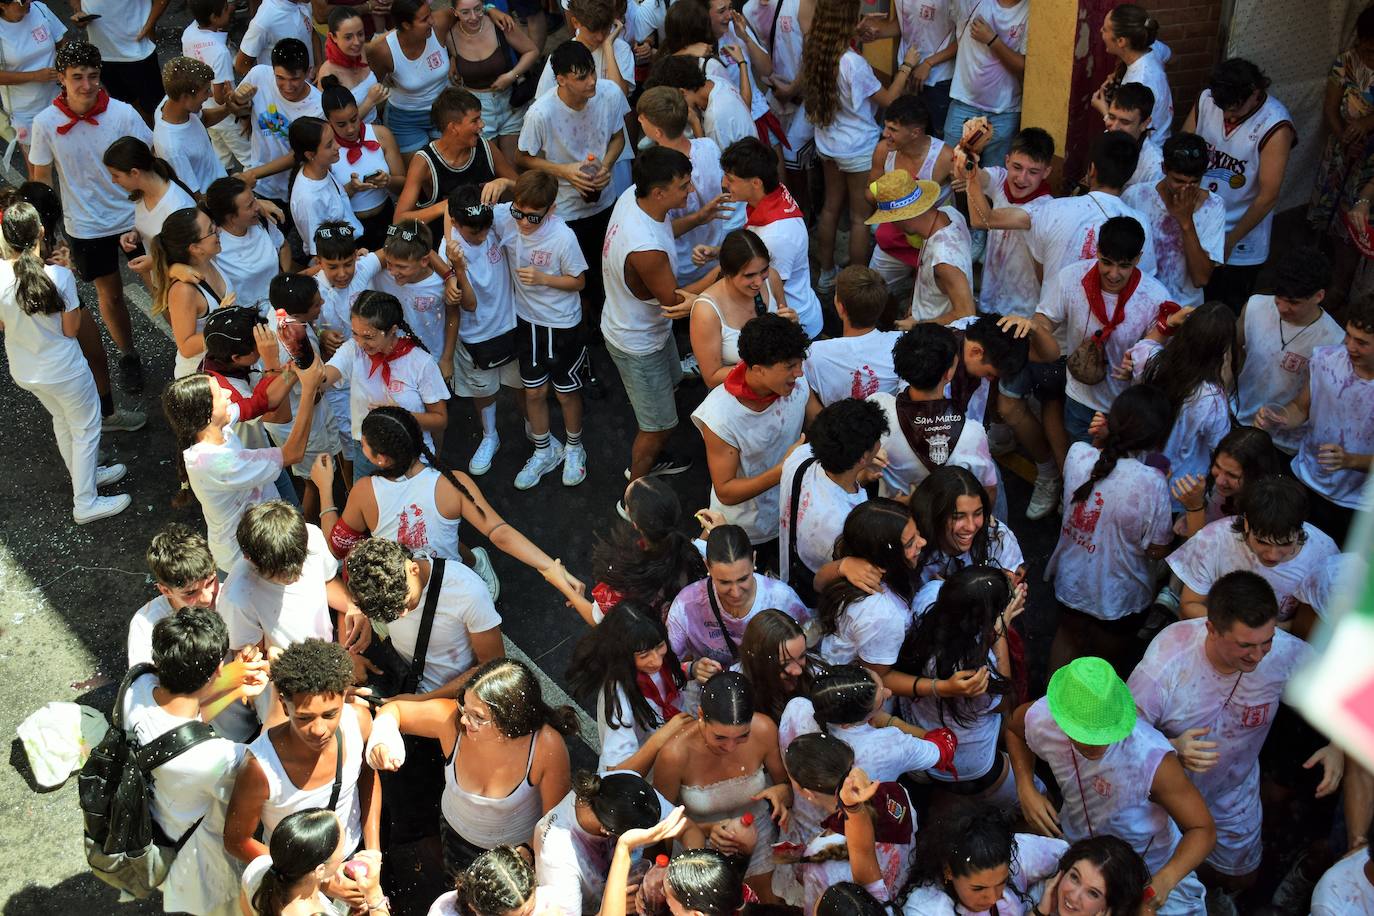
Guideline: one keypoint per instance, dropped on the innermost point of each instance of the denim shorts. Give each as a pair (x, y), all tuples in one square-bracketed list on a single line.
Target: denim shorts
[(413, 129), (649, 380), (498, 118), (1044, 380)]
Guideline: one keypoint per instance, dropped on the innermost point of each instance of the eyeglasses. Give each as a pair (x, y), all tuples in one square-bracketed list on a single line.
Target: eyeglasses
[(214, 230), (475, 720), (529, 216)]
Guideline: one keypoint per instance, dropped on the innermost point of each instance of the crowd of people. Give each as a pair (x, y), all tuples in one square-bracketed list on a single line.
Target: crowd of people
[(822, 699)]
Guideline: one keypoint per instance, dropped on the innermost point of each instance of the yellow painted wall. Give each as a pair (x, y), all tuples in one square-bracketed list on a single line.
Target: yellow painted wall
[(1050, 47)]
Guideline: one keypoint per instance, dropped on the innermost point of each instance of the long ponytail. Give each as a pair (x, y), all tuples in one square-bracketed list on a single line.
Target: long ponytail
[(1139, 420), (188, 403), (395, 433), (302, 842), (22, 232), (180, 230), (128, 154)]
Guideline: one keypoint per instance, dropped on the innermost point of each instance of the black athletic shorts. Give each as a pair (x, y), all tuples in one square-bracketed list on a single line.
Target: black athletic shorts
[(94, 258), (557, 355), (138, 82)]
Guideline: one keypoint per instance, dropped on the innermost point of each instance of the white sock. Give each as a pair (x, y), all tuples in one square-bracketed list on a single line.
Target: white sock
[(1047, 470), (489, 421)]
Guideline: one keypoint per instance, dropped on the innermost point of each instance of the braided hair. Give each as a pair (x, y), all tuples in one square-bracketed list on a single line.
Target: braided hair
[(498, 881), (393, 432), (1139, 421), (383, 311)]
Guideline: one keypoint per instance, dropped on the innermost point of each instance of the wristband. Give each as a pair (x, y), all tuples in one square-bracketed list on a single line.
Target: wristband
[(1195, 508), (993, 40), (324, 509), (450, 275)]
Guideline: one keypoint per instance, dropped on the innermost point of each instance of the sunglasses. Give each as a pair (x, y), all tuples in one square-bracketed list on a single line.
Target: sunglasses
[(529, 216)]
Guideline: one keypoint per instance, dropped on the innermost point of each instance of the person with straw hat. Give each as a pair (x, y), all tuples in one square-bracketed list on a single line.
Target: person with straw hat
[(1117, 775), (913, 233)]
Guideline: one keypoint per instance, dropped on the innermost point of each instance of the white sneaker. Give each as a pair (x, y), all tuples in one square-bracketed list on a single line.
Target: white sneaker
[(482, 458), (574, 465), (108, 474), (825, 281), (1045, 497), (103, 507), (540, 463), (1001, 439), (123, 420), (481, 564), (690, 366)]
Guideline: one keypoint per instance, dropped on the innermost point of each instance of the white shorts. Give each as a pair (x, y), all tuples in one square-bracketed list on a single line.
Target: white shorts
[(1238, 848), (850, 165), (898, 276), (471, 382)]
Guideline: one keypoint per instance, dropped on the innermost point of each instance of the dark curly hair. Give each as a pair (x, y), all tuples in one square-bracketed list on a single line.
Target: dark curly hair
[(962, 845), (843, 432), (650, 559), (313, 667), (923, 355), (378, 579), (767, 340)]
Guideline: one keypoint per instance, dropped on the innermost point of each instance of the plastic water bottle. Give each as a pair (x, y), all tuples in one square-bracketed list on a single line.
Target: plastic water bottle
[(296, 340), (591, 169)]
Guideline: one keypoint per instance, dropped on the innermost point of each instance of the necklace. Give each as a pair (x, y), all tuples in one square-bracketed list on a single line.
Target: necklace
[(1285, 342)]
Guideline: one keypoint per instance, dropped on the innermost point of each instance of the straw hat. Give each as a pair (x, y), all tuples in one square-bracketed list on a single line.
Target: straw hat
[(901, 197), (1090, 703)]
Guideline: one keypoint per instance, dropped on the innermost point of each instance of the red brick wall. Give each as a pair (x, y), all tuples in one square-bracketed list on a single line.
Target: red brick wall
[(1191, 29)]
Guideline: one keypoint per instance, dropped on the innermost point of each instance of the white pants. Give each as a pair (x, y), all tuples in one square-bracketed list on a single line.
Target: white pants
[(229, 143), (75, 409)]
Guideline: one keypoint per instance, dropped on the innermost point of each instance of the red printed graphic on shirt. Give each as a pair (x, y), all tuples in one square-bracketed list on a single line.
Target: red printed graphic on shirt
[(40, 34), (541, 258), (1292, 362), (1085, 516), (495, 253), (865, 383), (1102, 787), (927, 11), (1089, 249), (1254, 716), (425, 303), (411, 532), (435, 60)]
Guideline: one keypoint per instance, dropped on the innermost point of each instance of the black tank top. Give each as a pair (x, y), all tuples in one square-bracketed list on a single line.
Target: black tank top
[(443, 178)]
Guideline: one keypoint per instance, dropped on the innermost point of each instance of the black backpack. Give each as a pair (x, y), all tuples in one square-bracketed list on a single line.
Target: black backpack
[(124, 847)]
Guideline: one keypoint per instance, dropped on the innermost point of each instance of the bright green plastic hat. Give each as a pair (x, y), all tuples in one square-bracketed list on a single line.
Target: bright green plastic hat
[(1090, 703)]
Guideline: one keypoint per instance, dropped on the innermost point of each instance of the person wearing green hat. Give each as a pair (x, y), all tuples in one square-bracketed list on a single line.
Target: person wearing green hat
[(1118, 776)]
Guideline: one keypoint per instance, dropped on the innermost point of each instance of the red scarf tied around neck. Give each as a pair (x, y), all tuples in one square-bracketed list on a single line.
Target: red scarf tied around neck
[(336, 56), (737, 386), (773, 206), (102, 102), (1092, 286), (355, 147), (1041, 191), (383, 361), (667, 700)]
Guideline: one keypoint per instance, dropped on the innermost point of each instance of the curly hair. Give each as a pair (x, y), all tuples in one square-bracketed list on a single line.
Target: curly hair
[(517, 704), (769, 339), (832, 29), (378, 578), (843, 432), (313, 667)]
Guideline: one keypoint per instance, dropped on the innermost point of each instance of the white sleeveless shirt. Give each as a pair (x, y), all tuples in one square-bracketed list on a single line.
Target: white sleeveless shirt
[(927, 169), (729, 336), (491, 822), (284, 797), (370, 161), (1276, 362), (1233, 167), (415, 84), (408, 513)]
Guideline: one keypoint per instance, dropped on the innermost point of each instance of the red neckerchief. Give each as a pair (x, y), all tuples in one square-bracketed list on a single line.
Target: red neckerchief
[(355, 147), (666, 701), (1042, 190), (1092, 285), (384, 360), (606, 597), (336, 56), (775, 205), (102, 102), (736, 385)]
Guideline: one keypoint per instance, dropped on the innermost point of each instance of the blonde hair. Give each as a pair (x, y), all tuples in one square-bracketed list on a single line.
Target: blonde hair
[(831, 31), (180, 230), (665, 108), (183, 76)]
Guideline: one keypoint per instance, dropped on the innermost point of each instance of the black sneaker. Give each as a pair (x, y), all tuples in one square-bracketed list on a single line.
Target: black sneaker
[(666, 466), (131, 373)]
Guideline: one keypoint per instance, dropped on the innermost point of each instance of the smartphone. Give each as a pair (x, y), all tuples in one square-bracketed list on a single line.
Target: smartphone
[(85, 18), (380, 173)]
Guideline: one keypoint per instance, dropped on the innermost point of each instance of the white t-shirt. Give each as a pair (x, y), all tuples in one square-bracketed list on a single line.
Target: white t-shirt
[(976, 753), (905, 470), (1176, 688), (272, 116), (1149, 167), (93, 205), (490, 278), (1037, 859), (30, 44), (228, 479), (552, 249), (1171, 263), (870, 629), (692, 628), (141, 629), (148, 220), (1009, 286), (1148, 70), (38, 352), (335, 314), (853, 367), (951, 245), (1065, 303), (619, 743), (560, 134), (1203, 420), (761, 438), (980, 79), (115, 33), (464, 607), (883, 753), (1276, 358), (1316, 590), (1345, 888), (929, 25), (758, 99), (1099, 566), (423, 304), (315, 201), (788, 244), (415, 382), (1064, 230), (284, 615), (188, 150), (1004, 552), (624, 59), (209, 47), (629, 323), (821, 510), (275, 20), (250, 261), (726, 118), (854, 130), (707, 179), (1342, 406), (1217, 550)]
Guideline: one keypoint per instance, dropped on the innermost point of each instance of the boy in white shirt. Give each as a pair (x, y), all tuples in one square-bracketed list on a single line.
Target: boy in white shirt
[(410, 277), (179, 126), (124, 32), (858, 363), (273, 97), (183, 571), (71, 136), (207, 40), (724, 116), (275, 20), (1129, 112), (545, 259)]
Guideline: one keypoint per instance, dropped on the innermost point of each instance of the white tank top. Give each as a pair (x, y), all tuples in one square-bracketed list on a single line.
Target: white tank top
[(729, 337), (491, 822), (1274, 373), (927, 169), (1233, 167), (415, 84), (408, 513), (360, 95), (787, 37), (368, 162), (283, 796)]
